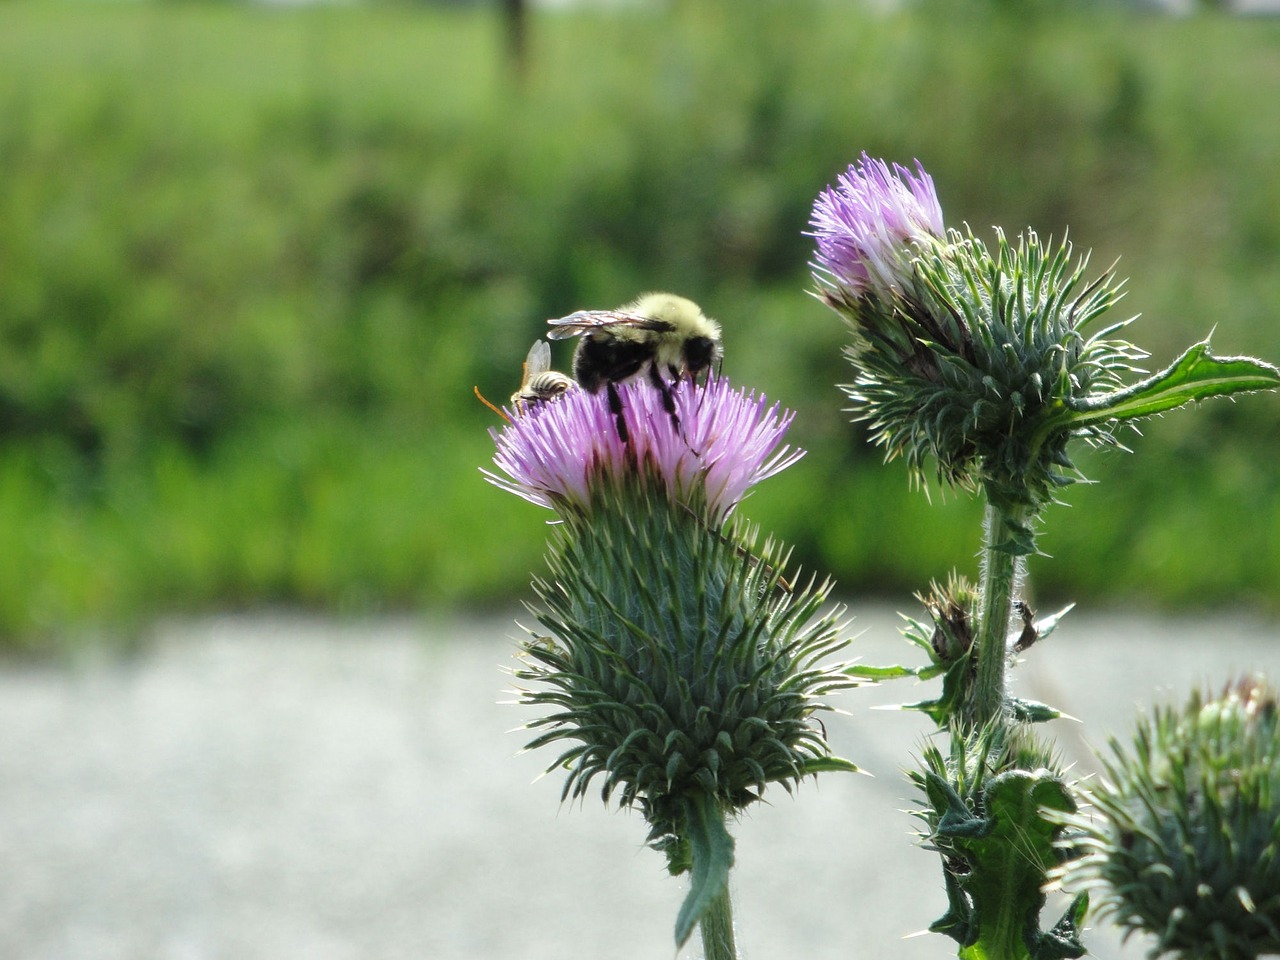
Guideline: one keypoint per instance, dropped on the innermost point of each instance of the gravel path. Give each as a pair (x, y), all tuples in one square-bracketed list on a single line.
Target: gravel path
[(269, 788)]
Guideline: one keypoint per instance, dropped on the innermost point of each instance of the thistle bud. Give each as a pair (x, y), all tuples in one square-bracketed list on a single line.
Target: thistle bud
[(1183, 844), (952, 612)]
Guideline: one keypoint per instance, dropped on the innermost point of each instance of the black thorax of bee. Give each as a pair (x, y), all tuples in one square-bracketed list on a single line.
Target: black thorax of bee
[(603, 359)]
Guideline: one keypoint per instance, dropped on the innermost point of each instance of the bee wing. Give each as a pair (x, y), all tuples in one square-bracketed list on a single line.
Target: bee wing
[(584, 321), (538, 361)]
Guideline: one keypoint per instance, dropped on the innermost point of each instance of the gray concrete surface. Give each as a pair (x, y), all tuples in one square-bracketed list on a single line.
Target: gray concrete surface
[(278, 787)]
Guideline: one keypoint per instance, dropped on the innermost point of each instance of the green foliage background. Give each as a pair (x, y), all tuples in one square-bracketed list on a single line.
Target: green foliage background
[(252, 262)]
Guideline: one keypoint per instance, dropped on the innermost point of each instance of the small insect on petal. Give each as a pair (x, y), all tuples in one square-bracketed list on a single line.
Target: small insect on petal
[(539, 384)]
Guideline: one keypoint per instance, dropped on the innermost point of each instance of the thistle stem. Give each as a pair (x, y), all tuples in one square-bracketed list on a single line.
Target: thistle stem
[(716, 927), (1002, 570)]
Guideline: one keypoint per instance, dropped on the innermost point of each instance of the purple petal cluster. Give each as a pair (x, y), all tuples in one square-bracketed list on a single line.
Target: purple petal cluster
[(868, 224), (721, 443)]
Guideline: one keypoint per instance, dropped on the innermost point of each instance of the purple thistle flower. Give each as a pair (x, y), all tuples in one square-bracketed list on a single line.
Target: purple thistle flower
[(725, 442), (867, 226)]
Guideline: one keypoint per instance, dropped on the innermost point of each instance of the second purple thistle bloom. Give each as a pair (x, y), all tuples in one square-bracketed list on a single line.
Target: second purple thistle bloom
[(867, 227), (721, 443)]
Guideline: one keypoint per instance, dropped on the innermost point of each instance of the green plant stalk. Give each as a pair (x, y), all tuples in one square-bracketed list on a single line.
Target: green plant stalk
[(708, 903), (716, 927), (1002, 568)]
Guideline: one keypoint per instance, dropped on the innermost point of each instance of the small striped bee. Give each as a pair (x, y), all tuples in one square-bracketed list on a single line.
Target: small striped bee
[(658, 336), (540, 384)]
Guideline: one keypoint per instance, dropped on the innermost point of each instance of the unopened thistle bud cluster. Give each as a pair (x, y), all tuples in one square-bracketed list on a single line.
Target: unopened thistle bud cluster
[(1183, 843), (674, 662), (966, 356)]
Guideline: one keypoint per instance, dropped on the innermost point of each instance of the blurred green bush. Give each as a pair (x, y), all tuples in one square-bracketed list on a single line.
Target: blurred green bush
[(253, 260)]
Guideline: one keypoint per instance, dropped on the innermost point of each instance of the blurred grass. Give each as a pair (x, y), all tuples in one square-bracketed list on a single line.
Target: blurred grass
[(253, 260)]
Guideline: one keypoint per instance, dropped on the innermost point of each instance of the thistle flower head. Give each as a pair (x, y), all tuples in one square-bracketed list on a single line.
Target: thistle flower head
[(1184, 842), (983, 361), (868, 227), (966, 357), (674, 665), (719, 444)]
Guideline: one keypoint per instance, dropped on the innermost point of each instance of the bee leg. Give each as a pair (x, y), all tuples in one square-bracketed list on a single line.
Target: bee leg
[(668, 400), (615, 407)]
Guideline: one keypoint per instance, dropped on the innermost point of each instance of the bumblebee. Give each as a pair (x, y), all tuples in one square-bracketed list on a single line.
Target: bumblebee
[(655, 334), (540, 384), (658, 336)]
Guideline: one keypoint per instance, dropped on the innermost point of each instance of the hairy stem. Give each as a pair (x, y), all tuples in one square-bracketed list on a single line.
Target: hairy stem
[(1002, 569), (716, 927)]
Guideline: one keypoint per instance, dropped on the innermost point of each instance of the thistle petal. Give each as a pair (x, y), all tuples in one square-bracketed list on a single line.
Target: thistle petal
[(720, 443), (867, 228)]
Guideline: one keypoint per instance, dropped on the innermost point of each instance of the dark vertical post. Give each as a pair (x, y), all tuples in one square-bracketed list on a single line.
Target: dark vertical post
[(516, 15)]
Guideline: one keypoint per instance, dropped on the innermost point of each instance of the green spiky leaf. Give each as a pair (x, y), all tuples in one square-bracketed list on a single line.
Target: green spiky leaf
[(1196, 375), (1046, 625), (711, 848), (1008, 849), (1063, 941)]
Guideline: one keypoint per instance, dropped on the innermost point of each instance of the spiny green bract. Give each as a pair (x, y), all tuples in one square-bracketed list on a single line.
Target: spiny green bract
[(678, 662), (973, 368), (1184, 843)]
